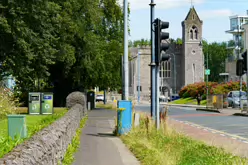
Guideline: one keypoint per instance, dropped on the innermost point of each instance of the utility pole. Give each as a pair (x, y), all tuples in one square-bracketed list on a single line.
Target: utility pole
[(126, 83), (240, 77), (175, 73), (138, 75), (153, 65)]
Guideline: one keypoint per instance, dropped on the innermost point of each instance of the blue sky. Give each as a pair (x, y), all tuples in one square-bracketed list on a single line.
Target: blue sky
[(214, 14)]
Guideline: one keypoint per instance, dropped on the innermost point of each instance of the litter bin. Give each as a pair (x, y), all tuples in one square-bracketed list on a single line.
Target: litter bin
[(124, 117), (46, 103), (17, 126), (90, 100), (34, 103)]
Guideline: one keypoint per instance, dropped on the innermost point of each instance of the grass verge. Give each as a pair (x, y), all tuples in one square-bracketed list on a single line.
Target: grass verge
[(73, 147), (106, 106), (190, 100), (168, 147), (34, 123)]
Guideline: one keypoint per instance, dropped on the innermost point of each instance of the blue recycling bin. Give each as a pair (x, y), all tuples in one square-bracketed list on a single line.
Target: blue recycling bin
[(124, 117)]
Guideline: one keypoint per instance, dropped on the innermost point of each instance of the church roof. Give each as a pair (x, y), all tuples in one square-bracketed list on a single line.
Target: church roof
[(192, 11)]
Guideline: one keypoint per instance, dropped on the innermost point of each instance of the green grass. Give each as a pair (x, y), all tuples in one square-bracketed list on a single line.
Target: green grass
[(34, 124), (190, 101), (105, 106), (73, 147), (167, 147)]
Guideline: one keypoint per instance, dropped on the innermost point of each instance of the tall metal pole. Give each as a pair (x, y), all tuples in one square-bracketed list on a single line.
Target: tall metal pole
[(138, 75), (126, 50), (153, 65), (240, 78), (207, 81), (207, 74), (175, 74), (157, 97)]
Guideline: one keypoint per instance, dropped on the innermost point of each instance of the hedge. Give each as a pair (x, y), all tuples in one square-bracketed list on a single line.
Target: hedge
[(192, 90)]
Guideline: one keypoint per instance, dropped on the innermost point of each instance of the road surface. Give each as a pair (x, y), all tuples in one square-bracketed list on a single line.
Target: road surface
[(235, 125)]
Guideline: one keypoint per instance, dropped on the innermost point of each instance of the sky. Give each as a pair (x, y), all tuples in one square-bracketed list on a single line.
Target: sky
[(214, 14)]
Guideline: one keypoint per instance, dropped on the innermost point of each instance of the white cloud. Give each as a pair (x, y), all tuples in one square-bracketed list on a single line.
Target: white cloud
[(206, 14), (160, 4)]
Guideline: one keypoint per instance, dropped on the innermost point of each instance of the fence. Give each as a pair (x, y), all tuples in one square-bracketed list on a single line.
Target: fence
[(215, 101)]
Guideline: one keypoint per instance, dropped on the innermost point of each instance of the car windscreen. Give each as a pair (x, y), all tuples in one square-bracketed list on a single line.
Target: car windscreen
[(237, 94)]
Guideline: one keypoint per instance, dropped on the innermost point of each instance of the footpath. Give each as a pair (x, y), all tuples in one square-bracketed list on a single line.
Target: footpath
[(98, 145)]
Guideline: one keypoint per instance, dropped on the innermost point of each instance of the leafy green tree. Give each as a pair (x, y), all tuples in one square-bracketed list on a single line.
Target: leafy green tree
[(217, 54), (65, 45)]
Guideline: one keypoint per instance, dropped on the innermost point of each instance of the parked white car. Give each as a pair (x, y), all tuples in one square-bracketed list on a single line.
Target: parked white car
[(99, 98)]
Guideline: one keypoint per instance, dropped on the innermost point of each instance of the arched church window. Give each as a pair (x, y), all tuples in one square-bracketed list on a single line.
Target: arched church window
[(194, 33), (191, 34)]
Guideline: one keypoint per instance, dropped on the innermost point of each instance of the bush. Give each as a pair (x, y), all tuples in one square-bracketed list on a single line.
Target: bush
[(192, 90), (7, 103)]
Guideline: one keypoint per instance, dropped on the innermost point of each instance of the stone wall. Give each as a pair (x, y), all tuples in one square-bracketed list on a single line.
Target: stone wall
[(49, 145)]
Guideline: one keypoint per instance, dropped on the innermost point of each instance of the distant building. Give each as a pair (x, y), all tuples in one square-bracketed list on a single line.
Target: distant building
[(238, 26), (186, 65)]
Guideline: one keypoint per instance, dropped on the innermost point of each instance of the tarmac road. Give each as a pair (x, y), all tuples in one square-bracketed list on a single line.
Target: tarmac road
[(234, 125)]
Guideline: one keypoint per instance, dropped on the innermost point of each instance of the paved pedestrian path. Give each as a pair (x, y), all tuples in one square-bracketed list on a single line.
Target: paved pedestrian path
[(98, 145)]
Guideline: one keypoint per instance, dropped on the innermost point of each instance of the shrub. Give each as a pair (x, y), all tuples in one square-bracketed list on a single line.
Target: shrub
[(192, 90), (7, 103)]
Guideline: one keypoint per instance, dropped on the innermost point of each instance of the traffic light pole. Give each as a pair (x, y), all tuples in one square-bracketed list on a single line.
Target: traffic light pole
[(126, 82), (153, 65), (157, 97)]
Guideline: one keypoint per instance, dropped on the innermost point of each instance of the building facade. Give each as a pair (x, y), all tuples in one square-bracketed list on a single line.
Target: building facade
[(238, 30), (186, 65)]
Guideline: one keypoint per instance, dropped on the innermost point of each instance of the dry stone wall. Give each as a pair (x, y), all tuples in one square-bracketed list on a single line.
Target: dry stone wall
[(49, 146)]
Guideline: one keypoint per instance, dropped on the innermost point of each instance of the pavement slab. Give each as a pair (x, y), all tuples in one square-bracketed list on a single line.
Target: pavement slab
[(98, 145)]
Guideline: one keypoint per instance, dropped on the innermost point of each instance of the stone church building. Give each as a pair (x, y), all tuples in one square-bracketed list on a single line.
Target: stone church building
[(186, 65)]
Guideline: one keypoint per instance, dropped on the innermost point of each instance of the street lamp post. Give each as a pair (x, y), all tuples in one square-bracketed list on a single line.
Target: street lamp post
[(201, 44), (174, 71), (138, 75)]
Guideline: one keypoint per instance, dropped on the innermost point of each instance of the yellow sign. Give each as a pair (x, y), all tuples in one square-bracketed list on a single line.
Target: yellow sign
[(214, 99)]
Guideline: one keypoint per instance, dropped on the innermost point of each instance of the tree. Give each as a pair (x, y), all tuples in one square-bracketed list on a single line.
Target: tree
[(69, 45), (217, 54)]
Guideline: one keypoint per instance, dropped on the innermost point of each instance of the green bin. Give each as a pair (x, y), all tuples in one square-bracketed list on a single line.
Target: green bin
[(17, 126), (34, 103), (46, 103)]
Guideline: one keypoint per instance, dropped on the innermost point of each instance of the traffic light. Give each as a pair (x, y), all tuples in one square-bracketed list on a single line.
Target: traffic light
[(161, 47), (244, 55), (241, 65)]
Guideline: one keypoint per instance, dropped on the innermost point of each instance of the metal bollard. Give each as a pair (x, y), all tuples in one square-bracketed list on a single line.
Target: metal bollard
[(89, 108)]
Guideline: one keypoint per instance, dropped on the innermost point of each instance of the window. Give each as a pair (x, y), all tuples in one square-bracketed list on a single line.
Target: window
[(193, 16), (165, 69), (193, 33), (234, 23), (193, 70)]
